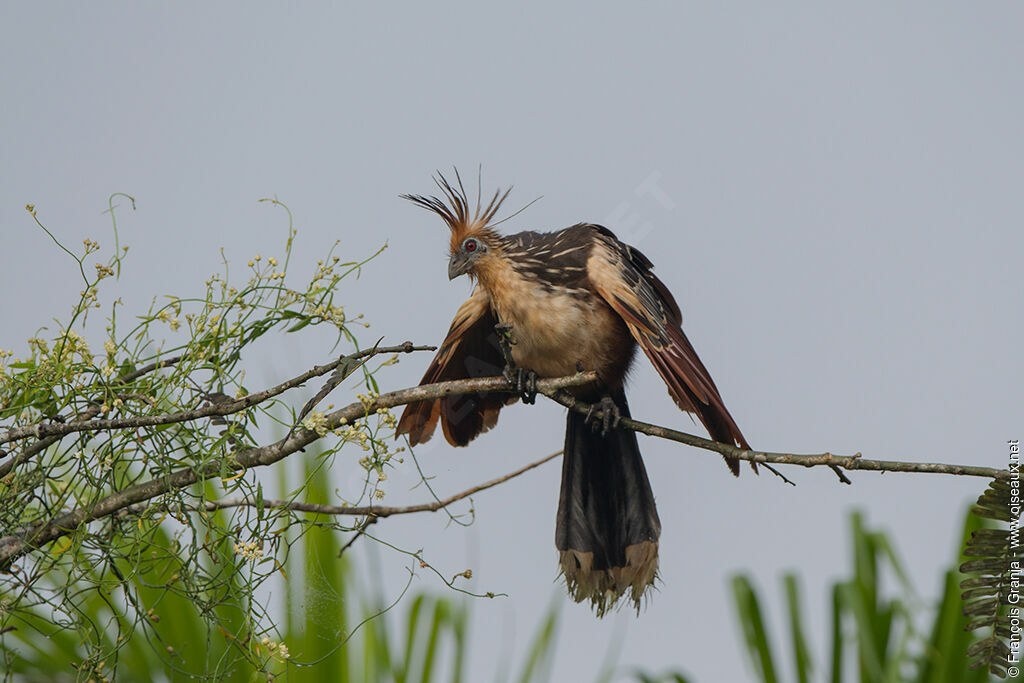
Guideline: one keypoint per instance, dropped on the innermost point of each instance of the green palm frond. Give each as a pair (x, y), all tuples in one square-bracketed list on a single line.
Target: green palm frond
[(988, 592)]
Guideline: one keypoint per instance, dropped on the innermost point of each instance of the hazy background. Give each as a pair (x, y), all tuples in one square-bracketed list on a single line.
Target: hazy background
[(838, 212)]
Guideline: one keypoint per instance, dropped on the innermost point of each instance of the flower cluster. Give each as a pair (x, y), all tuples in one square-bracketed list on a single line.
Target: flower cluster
[(99, 677), (56, 364), (266, 273), (333, 314), (316, 422), (378, 446), (276, 649), (90, 298), (165, 316), (132, 368), (250, 550)]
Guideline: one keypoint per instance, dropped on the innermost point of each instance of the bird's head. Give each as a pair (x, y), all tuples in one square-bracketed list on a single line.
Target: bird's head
[(473, 239), (465, 258)]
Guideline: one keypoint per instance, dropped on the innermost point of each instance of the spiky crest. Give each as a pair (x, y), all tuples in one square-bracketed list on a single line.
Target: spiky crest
[(453, 208)]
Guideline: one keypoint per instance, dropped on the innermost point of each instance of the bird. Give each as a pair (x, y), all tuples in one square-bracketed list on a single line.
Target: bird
[(551, 304)]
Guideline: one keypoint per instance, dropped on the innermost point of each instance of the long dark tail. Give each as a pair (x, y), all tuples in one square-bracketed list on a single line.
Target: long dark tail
[(607, 527)]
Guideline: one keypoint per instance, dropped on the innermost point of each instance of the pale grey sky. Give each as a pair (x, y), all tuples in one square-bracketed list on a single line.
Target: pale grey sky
[(838, 212)]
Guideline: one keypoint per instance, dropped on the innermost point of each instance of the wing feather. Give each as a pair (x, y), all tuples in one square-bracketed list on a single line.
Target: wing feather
[(470, 350), (621, 275)]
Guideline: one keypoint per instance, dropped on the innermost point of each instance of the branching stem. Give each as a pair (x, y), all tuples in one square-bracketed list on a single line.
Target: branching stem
[(132, 498)]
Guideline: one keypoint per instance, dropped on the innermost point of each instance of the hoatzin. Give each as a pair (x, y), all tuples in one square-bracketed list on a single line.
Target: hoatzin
[(576, 299)]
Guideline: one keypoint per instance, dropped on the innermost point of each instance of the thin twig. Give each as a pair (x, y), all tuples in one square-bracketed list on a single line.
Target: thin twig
[(219, 408), (25, 455), (847, 462), (374, 511), (13, 546), (88, 413), (146, 369), (843, 479), (362, 530)]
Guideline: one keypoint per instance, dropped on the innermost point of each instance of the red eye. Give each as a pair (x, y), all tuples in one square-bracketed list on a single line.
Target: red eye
[(470, 245)]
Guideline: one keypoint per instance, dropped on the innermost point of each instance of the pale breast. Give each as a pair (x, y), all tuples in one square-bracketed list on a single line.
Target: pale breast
[(556, 328), (538, 284)]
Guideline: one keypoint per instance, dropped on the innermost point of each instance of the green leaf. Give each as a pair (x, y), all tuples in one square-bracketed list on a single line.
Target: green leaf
[(837, 633), (802, 662), (538, 661), (754, 632), (299, 325)]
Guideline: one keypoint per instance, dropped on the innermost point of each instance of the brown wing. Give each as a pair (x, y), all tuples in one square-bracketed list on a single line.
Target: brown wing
[(623, 277), (470, 350)]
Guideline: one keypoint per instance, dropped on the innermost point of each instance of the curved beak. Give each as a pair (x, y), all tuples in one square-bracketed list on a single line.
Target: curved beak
[(458, 265)]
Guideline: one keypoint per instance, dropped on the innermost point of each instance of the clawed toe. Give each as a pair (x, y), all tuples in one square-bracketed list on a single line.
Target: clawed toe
[(604, 416), (524, 381), (506, 339), (526, 385)]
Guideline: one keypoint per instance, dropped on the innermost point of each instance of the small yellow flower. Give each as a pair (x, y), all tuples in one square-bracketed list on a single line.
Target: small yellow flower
[(249, 550), (316, 422)]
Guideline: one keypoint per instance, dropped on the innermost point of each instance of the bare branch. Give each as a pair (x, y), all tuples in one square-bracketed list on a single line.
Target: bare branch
[(88, 414), (374, 511), (146, 369), (847, 462), (15, 545), (41, 445), (27, 454)]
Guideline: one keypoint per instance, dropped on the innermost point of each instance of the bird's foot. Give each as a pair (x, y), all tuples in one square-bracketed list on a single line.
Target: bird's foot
[(505, 332), (524, 381), (505, 342), (604, 416)]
